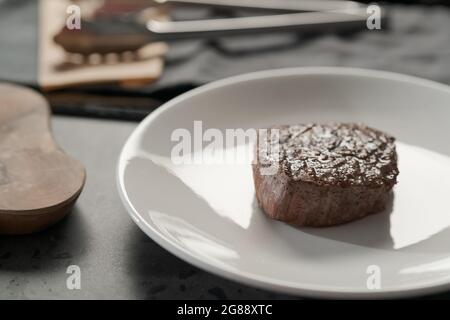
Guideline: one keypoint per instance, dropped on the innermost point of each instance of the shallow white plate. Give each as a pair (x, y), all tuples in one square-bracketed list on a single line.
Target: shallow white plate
[(206, 214)]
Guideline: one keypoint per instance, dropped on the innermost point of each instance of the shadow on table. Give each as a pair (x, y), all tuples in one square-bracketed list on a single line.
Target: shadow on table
[(157, 274), (46, 249)]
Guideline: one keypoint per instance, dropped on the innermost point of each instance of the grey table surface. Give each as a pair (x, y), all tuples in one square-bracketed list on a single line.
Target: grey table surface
[(117, 260)]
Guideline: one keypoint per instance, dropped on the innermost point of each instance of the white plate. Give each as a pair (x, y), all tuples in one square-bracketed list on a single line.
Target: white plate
[(206, 214)]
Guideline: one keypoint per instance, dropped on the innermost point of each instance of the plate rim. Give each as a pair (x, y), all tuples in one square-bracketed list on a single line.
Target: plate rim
[(305, 290)]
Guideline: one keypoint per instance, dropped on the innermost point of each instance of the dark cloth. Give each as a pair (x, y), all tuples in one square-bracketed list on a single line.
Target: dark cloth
[(417, 43)]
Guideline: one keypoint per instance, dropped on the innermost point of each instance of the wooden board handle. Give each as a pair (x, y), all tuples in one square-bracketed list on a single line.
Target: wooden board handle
[(39, 183)]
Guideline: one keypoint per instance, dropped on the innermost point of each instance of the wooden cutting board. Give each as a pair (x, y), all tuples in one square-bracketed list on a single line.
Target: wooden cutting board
[(57, 69), (39, 183)]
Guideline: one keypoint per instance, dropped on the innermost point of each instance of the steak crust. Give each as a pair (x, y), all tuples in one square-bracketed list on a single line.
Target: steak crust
[(327, 174)]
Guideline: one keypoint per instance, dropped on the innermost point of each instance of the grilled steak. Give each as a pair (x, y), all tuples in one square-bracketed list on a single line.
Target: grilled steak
[(326, 174)]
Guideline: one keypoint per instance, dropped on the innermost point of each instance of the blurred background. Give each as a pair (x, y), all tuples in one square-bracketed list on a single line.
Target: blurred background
[(112, 67)]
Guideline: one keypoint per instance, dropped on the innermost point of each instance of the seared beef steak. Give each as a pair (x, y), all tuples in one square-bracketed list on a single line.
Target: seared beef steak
[(326, 174)]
